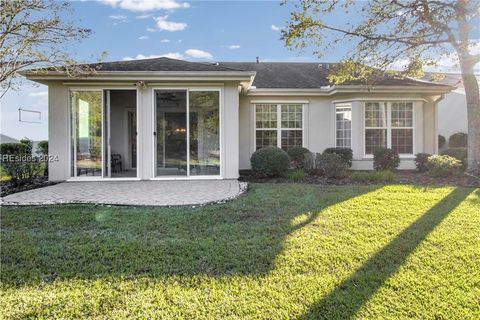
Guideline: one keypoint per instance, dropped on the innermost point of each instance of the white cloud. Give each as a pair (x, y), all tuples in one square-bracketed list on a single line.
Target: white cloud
[(143, 38), (143, 16), (234, 46), (172, 55), (164, 41), (40, 94), (117, 17), (171, 26), (275, 28), (146, 5), (199, 54), (193, 53), (151, 29)]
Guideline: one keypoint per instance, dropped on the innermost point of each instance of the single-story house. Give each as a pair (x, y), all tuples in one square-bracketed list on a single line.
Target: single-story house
[(172, 119)]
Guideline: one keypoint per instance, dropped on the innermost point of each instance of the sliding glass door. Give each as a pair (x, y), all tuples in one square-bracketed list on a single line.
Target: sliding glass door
[(187, 132), (171, 132), (103, 133), (87, 133)]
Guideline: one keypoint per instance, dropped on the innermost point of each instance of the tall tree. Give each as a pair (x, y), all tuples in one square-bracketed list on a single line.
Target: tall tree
[(35, 34), (407, 34)]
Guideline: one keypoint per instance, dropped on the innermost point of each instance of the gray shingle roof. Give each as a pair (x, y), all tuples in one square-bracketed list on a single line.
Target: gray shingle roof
[(268, 74), (160, 64), (304, 75)]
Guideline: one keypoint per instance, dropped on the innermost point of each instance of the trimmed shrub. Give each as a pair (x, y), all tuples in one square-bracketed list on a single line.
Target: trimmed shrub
[(269, 162), (297, 156), (42, 147), (296, 175), (458, 140), (443, 166), (458, 153), (421, 160), (18, 162), (441, 141), (13, 149), (331, 165), (345, 153), (385, 159), (373, 176)]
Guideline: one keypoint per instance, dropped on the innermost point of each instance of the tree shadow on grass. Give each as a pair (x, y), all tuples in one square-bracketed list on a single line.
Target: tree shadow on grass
[(350, 295), (243, 237)]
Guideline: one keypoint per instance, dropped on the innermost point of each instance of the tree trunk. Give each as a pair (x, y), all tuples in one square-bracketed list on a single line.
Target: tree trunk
[(472, 95)]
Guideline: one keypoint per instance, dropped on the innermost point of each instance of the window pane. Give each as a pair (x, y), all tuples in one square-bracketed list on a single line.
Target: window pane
[(374, 139), (204, 133), (291, 115), (375, 114), (266, 115), (171, 128), (402, 114), (343, 126), (291, 138), (402, 140), (266, 138), (87, 133)]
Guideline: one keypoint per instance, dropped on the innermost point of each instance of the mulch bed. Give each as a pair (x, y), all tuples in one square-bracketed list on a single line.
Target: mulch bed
[(8, 187)]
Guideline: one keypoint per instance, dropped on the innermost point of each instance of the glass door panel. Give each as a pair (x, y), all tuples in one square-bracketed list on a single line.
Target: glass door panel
[(204, 132), (87, 151), (171, 132)]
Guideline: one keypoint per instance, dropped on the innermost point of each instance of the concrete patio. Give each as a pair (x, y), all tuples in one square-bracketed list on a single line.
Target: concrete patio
[(143, 193)]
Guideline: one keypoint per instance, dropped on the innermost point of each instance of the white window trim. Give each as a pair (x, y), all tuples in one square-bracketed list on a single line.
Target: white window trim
[(389, 127), (279, 128), (342, 105)]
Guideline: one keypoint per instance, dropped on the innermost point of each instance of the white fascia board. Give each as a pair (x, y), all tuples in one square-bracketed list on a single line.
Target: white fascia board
[(328, 91), (147, 76)]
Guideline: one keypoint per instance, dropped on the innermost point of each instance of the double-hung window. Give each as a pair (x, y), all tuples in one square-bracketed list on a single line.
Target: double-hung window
[(389, 125), (279, 125), (343, 125)]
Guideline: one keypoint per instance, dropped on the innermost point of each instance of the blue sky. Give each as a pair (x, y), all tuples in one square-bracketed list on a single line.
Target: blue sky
[(194, 30)]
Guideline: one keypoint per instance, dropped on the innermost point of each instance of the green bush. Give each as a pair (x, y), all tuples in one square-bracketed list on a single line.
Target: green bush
[(443, 166), (18, 162), (296, 175), (458, 153), (269, 162), (441, 141), (421, 160), (298, 156), (385, 159), (13, 149), (373, 176), (42, 147), (331, 165), (458, 140), (345, 153)]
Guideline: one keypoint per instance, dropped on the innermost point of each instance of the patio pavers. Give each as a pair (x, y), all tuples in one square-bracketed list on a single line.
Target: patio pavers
[(145, 193)]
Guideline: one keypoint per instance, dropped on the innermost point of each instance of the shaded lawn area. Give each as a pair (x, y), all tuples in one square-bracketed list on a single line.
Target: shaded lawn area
[(282, 251)]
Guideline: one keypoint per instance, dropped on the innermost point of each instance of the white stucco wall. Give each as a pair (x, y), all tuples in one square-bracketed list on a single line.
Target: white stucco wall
[(58, 132), (452, 114), (319, 126)]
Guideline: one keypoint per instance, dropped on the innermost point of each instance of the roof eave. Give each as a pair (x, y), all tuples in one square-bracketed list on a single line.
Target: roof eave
[(141, 75), (331, 90)]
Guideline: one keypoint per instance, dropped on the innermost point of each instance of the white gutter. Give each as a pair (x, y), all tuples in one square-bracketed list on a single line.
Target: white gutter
[(328, 91), (135, 75)]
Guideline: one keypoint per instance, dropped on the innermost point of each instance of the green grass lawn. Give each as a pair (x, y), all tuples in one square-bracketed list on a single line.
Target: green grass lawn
[(282, 251)]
